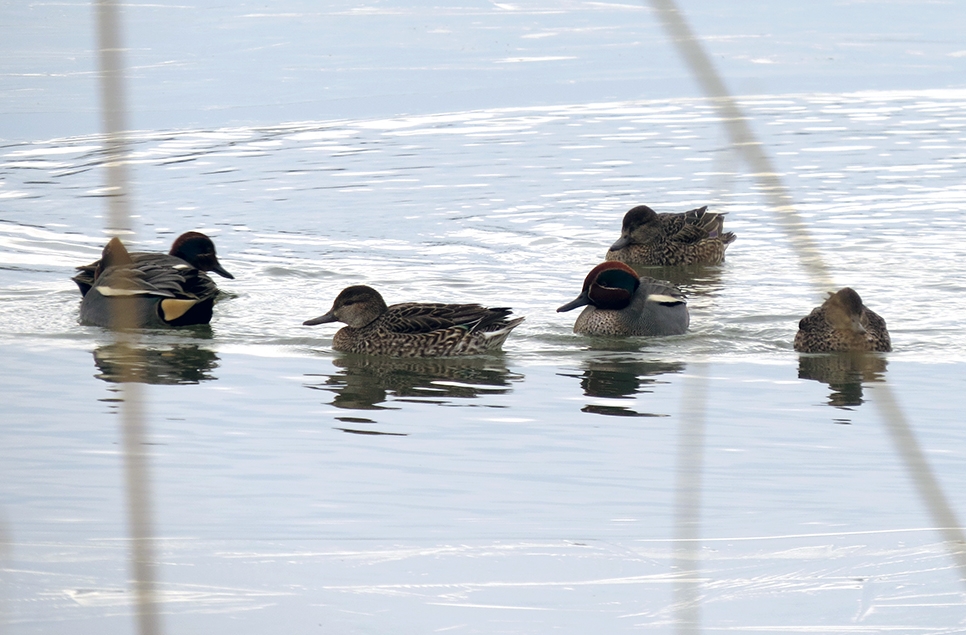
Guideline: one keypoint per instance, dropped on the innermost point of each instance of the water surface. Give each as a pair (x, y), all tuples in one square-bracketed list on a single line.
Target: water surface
[(547, 487)]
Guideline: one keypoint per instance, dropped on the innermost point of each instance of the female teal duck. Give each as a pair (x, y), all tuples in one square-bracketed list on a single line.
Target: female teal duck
[(689, 238), (146, 293), (191, 248), (842, 323), (414, 329), (622, 303)]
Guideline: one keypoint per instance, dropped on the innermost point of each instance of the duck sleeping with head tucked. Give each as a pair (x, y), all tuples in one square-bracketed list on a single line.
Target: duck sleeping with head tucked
[(124, 292), (619, 302), (667, 240), (413, 329), (841, 324)]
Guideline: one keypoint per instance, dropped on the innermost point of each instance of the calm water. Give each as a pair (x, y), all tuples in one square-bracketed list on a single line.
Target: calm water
[(525, 492)]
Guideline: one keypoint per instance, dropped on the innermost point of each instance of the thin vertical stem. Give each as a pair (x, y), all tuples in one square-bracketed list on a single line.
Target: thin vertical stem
[(133, 428), (114, 115), (687, 502), (907, 446)]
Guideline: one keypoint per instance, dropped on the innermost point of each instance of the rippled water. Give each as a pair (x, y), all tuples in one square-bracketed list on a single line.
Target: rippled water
[(514, 207), (511, 493)]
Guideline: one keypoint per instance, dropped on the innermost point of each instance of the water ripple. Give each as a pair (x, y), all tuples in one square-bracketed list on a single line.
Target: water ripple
[(515, 205)]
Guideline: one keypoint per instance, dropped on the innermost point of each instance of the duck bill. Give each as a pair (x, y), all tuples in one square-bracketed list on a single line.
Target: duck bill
[(221, 271), (622, 242), (581, 300), (322, 319)]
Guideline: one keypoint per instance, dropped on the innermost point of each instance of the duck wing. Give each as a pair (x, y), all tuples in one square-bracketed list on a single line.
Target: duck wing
[(699, 224), (814, 321), (671, 224), (85, 277), (158, 278), (689, 234), (415, 317), (662, 292), (86, 273)]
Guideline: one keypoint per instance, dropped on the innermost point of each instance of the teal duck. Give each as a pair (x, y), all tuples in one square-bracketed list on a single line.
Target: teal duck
[(414, 329), (689, 238), (192, 248), (146, 293), (842, 323), (619, 302)]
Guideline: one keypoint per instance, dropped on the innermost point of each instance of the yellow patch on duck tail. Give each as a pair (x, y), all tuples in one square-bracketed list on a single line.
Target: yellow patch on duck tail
[(173, 309)]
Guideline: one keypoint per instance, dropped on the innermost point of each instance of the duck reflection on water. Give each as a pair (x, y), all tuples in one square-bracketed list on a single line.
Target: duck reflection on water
[(616, 378), (844, 372), (695, 280), (367, 382), (165, 364)]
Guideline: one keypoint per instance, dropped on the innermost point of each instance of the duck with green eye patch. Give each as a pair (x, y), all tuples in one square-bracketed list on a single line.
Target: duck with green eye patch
[(619, 302)]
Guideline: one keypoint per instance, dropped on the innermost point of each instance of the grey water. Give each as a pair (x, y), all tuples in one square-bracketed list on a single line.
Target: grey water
[(485, 153)]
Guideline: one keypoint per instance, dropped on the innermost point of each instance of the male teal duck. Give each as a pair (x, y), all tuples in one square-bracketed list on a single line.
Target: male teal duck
[(689, 238), (192, 248), (146, 293), (619, 302), (414, 329), (842, 323)]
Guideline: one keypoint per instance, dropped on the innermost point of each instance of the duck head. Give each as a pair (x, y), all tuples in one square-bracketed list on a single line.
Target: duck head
[(197, 250), (609, 285), (640, 226), (844, 309), (356, 306)]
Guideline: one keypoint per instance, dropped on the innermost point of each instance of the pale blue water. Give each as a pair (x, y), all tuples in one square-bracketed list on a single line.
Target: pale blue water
[(488, 159)]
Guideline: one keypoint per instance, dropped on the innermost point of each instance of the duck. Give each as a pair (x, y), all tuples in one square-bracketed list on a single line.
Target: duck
[(146, 293), (413, 329), (191, 248), (695, 237), (842, 323), (619, 302)]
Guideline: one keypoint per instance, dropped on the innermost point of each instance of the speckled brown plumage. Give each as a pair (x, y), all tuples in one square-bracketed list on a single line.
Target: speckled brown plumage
[(414, 329), (693, 237), (842, 323)]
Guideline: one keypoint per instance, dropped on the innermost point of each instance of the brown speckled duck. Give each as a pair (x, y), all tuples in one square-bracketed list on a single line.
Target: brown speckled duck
[(414, 329), (146, 293), (667, 240), (619, 302), (842, 323), (190, 248)]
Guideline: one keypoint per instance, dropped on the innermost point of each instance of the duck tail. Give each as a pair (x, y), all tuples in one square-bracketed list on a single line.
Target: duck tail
[(491, 319), (495, 338)]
